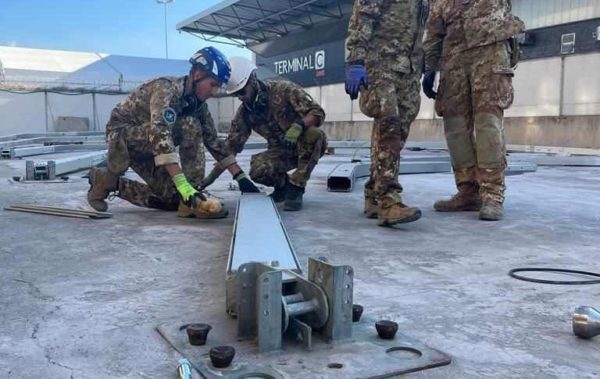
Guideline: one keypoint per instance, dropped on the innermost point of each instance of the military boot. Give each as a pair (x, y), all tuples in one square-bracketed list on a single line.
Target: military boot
[(492, 193), (293, 198), (371, 208), (467, 198), (491, 210), (278, 194), (210, 208), (102, 183), (394, 211)]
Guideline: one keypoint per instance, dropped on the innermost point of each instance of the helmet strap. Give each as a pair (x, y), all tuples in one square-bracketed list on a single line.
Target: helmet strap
[(190, 98), (261, 97)]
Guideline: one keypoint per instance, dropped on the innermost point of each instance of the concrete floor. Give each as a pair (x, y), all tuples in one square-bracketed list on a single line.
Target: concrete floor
[(81, 298)]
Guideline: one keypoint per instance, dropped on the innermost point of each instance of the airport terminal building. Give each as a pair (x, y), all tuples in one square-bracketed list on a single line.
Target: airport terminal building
[(557, 82)]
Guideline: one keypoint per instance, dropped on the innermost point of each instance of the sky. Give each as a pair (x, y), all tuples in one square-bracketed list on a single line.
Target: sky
[(121, 27)]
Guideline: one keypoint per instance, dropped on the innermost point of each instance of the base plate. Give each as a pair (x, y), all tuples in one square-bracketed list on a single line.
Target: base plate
[(364, 356)]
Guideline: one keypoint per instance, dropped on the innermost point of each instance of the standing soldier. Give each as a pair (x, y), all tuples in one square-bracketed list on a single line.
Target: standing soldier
[(468, 42), (385, 64), (143, 131), (289, 119)]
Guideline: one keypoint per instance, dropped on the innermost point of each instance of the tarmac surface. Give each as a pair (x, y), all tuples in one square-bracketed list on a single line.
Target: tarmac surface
[(81, 298)]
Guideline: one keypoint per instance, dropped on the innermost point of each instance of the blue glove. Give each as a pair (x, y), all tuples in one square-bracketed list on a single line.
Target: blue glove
[(356, 77), (428, 79)]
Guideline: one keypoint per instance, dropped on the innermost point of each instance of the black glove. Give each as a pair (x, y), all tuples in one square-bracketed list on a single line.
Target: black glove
[(194, 200), (428, 80), (245, 184)]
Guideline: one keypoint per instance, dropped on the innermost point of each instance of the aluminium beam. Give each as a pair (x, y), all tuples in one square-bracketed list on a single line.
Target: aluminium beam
[(518, 168), (343, 176), (12, 137), (51, 140), (49, 170), (557, 160), (28, 151), (258, 236)]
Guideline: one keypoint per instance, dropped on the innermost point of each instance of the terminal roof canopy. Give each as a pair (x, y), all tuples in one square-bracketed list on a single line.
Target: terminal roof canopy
[(251, 22)]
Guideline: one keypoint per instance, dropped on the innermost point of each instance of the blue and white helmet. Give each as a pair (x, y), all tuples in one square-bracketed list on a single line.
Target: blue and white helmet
[(213, 62)]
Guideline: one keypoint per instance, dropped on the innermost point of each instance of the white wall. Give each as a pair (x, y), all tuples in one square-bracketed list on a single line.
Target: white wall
[(22, 113), (26, 113), (541, 13), (537, 88), (582, 85), (105, 105)]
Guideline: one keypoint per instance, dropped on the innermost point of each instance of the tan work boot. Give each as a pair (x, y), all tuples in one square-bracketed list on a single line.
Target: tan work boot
[(102, 183), (211, 208), (371, 208), (466, 199), (393, 211), (491, 210), (492, 193)]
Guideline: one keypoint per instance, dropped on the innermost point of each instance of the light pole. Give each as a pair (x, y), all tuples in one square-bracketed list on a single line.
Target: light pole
[(165, 2)]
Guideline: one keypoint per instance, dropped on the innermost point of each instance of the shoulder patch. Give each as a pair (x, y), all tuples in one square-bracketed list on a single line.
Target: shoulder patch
[(169, 115)]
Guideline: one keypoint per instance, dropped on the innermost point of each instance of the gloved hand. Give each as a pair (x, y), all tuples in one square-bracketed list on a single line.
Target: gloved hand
[(245, 183), (210, 178), (356, 76), (190, 196), (428, 80), (290, 140)]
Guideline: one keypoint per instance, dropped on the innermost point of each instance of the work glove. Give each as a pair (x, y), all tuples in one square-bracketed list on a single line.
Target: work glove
[(290, 141), (428, 80), (190, 196), (245, 183), (356, 77)]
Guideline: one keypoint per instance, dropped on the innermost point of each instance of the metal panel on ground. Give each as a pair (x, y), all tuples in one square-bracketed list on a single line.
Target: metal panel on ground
[(342, 178), (344, 175), (49, 170)]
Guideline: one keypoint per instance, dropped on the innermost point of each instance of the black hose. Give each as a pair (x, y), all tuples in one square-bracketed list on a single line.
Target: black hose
[(544, 281)]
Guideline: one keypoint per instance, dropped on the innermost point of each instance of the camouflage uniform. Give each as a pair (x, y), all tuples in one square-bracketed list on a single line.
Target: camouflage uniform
[(386, 35), (144, 130), (466, 41), (284, 103)]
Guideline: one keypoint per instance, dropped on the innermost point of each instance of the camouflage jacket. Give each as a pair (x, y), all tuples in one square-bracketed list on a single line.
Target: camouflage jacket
[(159, 107), (457, 25), (285, 103), (388, 32)]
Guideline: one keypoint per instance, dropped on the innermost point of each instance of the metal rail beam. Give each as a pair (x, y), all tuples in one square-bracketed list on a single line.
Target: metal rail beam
[(258, 236), (557, 160), (28, 151), (51, 140), (344, 175), (49, 170), (12, 137)]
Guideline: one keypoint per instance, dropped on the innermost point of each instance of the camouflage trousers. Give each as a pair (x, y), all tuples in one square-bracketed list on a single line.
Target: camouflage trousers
[(127, 148), (271, 166), (475, 88), (393, 100)]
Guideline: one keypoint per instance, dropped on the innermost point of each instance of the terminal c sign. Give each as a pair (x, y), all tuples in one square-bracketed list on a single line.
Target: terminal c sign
[(307, 62), (319, 65)]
